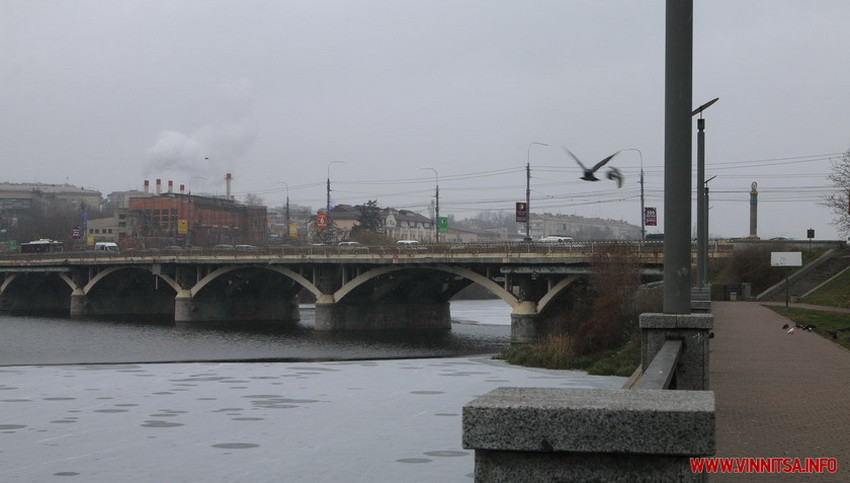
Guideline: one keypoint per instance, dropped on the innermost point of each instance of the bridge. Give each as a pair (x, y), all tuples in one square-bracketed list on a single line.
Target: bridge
[(356, 288)]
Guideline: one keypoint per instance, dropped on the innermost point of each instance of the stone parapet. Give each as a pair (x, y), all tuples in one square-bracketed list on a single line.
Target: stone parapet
[(588, 434)]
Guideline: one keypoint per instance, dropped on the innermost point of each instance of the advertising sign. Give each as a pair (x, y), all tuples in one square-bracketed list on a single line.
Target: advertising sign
[(182, 226), (650, 217), (786, 259), (90, 240), (75, 233), (443, 224), (521, 212), (293, 229), (321, 220)]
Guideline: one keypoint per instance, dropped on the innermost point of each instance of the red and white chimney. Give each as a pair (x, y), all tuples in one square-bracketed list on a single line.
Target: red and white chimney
[(227, 180), (182, 188), (158, 186), (147, 186), (171, 186)]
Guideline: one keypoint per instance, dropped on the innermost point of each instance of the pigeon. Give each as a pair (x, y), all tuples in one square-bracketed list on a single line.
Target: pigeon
[(811, 327), (588, 173), (785, 326), (791, 330), (616, 175), (833, 333)]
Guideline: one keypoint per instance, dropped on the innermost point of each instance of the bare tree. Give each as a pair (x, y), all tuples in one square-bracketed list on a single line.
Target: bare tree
[(253, 200), (839, 200)]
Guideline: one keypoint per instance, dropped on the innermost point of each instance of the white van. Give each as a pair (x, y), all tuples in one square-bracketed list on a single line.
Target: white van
[(106, 247), (555, 239)]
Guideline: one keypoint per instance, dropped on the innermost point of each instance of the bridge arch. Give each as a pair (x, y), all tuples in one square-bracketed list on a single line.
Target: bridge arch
[(471, 275), (289, 273), (106, 272), (554, 291)]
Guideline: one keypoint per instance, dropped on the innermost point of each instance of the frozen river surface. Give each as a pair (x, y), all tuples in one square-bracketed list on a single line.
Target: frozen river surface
[(363, 421)]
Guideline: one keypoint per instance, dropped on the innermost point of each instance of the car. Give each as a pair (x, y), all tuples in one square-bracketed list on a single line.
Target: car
[(408, 242), (348, 244), (223, 245), (555, 239)]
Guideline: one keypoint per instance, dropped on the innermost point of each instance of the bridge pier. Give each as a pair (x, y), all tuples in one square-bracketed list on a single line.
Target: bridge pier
[(525, 323), (79, 304), (190, 310), (333, 316)]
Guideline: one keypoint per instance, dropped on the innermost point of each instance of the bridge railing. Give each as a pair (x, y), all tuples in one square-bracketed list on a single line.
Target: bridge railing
[(647, 432), (447, 249)]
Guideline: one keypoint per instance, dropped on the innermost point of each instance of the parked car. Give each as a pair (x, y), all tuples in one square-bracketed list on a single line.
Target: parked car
[(555, 239)]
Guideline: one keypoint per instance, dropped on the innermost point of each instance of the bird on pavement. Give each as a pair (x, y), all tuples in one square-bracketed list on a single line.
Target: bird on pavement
[(589, 173), (791, 330), (785, 326)]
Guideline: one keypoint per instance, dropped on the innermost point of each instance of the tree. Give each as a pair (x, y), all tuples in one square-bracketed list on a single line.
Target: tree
[(839, 200), (254, 200), (370, 218)]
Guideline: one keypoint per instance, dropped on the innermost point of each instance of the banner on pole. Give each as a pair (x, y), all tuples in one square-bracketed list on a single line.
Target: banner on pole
[(650, 217), (321, 220), (443, 224), (521, 212)]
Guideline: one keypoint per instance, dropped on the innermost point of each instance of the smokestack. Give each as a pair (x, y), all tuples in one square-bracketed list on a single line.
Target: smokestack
[(182, 188), (227, 179), (158, 186), (170, 186), (147, 187)]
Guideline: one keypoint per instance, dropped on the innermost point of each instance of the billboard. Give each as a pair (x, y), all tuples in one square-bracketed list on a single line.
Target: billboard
[(650, 216), (443, 224), (521, 212), (321, 220)]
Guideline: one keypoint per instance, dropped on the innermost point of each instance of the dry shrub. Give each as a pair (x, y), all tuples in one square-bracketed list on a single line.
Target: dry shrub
[(614, 279), (750, 264)]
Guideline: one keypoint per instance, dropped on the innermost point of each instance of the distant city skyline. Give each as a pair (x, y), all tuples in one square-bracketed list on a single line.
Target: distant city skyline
[(106, 94)]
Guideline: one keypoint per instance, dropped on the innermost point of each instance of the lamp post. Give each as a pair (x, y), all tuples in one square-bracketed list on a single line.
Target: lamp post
[(284, 183), (437, 209), (528, 189), (642, 199), (702, 235), (702, 272), (330, 223)]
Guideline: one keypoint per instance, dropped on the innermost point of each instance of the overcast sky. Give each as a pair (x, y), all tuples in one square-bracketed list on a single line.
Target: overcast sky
[(104, 94)]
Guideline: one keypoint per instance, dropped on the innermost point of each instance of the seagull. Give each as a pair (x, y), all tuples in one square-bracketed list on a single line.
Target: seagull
[(588, 173), (616, 175)]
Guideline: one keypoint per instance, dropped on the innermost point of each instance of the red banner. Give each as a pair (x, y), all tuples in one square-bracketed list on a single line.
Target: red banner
[(650, 217), (321, 219)]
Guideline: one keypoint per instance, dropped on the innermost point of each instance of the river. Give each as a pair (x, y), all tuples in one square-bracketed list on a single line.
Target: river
[(478, 327)]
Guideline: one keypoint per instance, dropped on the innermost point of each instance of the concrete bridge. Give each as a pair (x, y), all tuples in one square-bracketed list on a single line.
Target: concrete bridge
[(358, 288)]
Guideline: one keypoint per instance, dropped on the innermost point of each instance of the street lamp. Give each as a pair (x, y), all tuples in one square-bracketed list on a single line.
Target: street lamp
[(702, 270), (284, 183), (328, 212), (642, 199), (437, 209), (528, 189), (702, 235)]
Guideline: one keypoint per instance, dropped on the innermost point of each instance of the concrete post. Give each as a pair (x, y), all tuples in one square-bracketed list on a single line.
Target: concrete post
[(183, 306), (693, 330)]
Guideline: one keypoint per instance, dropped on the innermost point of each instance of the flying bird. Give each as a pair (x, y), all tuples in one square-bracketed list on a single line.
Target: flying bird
[(616, 175), (588, 173)]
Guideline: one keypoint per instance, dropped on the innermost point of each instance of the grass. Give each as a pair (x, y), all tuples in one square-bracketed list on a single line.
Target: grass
[(835, 294), (556, 353), (822, 321)]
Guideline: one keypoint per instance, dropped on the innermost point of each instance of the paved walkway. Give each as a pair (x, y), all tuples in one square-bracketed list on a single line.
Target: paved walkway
[(778, 394)]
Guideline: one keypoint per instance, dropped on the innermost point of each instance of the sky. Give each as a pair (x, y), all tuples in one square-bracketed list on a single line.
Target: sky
[(388, 98)]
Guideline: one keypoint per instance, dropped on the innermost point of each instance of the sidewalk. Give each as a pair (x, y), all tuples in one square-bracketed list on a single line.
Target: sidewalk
[(778, 394)]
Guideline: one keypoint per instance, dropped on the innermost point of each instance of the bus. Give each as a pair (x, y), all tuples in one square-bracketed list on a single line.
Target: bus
[(42, 245)]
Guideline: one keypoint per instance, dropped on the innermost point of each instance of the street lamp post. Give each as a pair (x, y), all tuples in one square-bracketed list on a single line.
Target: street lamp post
[(702, 272), (702, 235), (328, 212), (437, 208), (284, 183), (642, 199), (528, 189)]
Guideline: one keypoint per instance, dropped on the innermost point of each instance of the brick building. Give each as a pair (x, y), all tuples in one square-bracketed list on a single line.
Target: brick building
[(183, 219)]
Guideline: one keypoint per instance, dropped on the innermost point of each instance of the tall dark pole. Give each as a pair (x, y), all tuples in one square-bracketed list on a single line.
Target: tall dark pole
[(328, 208), (528, 189), (437, 209), (642, 204), (702, 235), (677, 156)]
